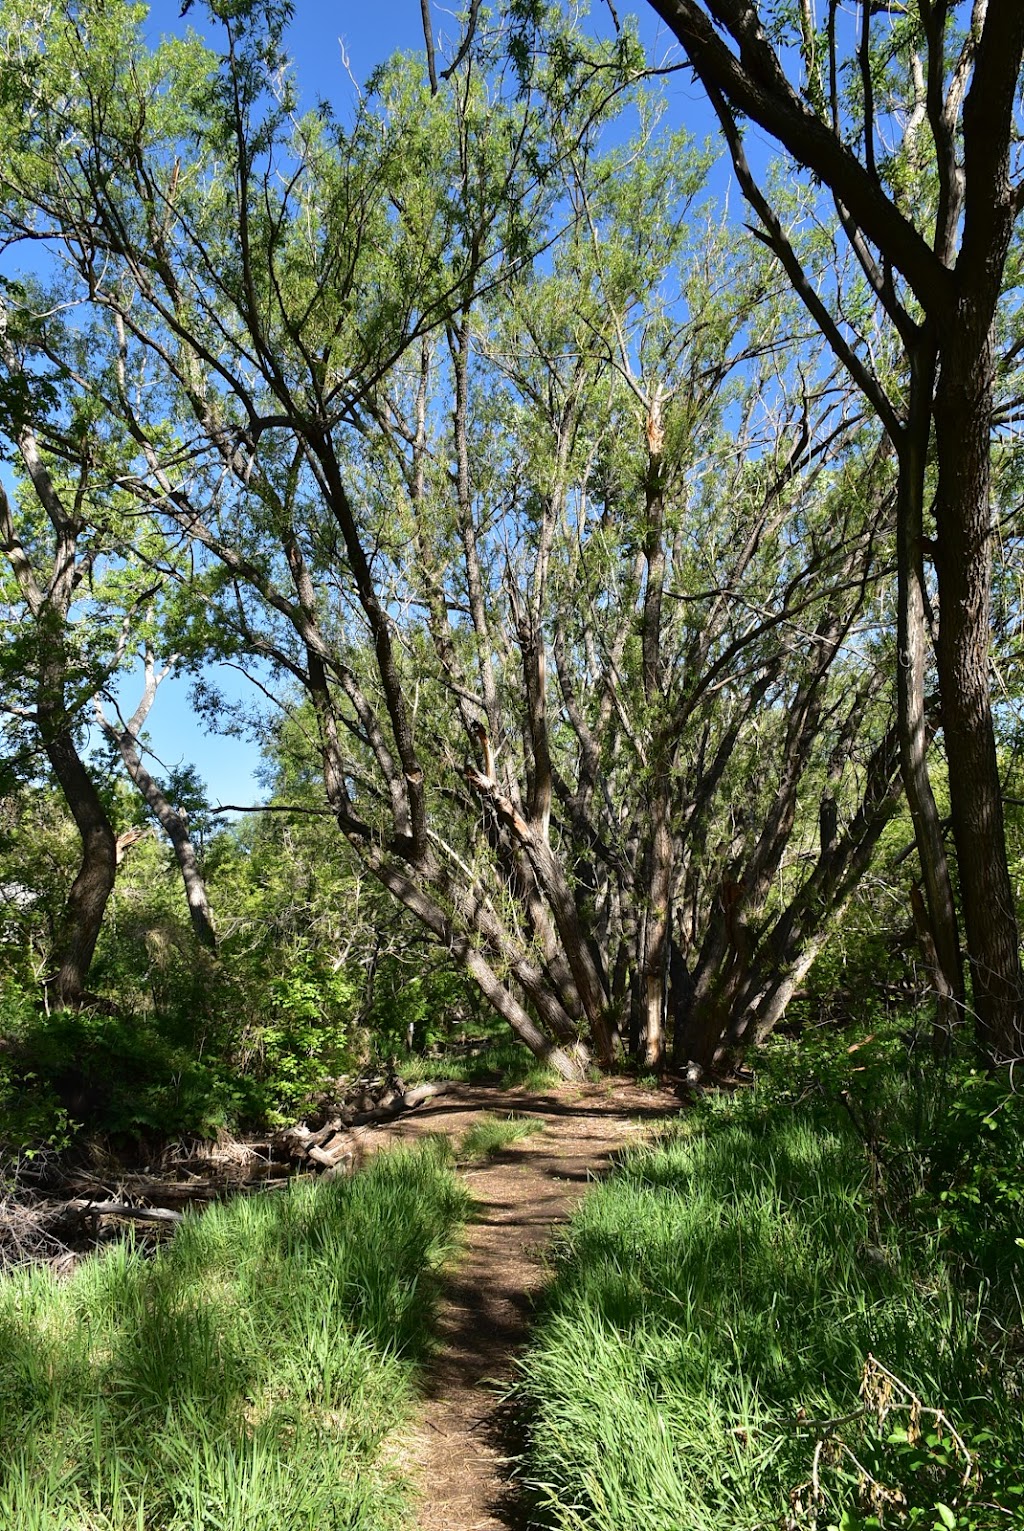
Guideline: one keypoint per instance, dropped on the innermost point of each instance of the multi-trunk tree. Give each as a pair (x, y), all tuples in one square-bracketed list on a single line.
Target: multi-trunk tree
[(908, 115), (465, 429)]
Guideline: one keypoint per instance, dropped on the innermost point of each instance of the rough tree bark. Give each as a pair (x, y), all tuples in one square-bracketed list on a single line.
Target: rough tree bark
[(48, 599), (82, 917)]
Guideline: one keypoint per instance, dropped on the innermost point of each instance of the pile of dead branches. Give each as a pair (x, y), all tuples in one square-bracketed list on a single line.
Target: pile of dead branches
[(330, 1139)]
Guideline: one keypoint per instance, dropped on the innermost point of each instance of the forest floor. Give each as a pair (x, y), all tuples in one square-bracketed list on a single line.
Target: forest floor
[(457, 1449)]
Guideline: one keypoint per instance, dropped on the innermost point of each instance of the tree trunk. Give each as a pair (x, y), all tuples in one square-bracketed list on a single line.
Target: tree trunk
[(910, 698), (963, 521), (653, 972), (82, 916), (649, 1047), (174, 827), (570, 1062)]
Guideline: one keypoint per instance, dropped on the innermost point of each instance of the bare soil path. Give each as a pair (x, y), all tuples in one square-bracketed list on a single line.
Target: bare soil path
[(457, 1450)]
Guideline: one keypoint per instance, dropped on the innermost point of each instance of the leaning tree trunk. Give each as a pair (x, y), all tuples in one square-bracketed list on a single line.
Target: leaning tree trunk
[(170, 820), (174, 827), (82, 916), (963, 404)]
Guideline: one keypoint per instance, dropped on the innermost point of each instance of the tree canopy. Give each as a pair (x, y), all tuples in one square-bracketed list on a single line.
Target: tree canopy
[(518, 475)]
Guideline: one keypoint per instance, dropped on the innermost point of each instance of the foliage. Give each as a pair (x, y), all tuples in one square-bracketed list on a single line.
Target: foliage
[(314, 977), (33, 1116), (242, 1377), (749, 1326), (945, 1139), (504, 1061), (474, 433), (137, 1077)]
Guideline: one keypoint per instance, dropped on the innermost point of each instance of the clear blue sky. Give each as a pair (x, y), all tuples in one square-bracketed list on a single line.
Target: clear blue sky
[(332, 46)]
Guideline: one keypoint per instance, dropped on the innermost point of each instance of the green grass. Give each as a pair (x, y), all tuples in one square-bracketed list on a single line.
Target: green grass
[(489, 1134), (243, 1378), (718, 1296), (507, 1061)]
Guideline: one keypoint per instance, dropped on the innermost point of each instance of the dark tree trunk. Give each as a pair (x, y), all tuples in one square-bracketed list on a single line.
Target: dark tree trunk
[(955, 267), (82, 917), (963, 523), (912, 447)]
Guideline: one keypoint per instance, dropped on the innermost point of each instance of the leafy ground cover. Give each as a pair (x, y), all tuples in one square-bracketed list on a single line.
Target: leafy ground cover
[(242, 1379), (497, 1058), (800, 1308), (204, 1064)]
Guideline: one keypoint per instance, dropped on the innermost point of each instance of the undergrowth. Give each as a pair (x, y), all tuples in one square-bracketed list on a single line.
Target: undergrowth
[(244, 1377), (776, 1316), (506, 1060)]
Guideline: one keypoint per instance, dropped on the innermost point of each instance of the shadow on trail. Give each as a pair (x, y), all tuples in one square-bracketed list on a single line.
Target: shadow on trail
[(547, 1105), (523, 1193)]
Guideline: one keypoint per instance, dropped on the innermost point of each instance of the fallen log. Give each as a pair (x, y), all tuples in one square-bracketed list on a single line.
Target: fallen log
[(377, 1114), (330, 1154), (425, 1091), (87, 1208), (327, 1131), (329, 1145)]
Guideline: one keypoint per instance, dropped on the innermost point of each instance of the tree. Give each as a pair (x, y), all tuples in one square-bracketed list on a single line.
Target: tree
[(49, 668), (931, 226), (570, 559), (74, 591), (172, 821)]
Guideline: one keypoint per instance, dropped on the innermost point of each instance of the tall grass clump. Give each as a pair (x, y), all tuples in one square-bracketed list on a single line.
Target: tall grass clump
[(743, 1333), (490, 1134), (243, 1378)]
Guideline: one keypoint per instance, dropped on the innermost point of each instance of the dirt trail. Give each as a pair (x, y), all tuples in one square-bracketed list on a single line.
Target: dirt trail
[(455, 1452)]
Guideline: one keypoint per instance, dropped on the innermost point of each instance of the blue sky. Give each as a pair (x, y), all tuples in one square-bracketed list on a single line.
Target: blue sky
[(335, 47), (323, 38)]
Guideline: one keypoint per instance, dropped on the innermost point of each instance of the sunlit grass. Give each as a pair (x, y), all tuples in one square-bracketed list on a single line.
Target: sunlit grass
[(716, 1297), (489, 1134), (506, 1061), (244, 1378)]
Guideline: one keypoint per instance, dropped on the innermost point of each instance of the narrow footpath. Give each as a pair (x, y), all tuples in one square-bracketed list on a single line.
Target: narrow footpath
[(456, 1452)]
